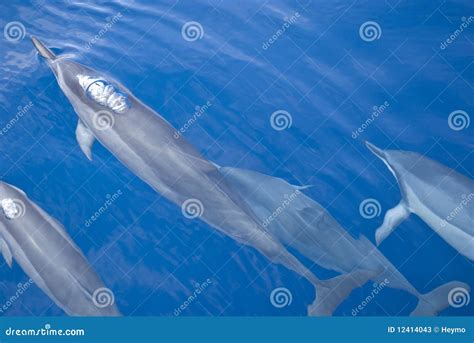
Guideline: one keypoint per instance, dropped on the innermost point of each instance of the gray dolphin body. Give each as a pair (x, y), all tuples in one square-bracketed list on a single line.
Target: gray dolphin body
[(304, 225), (145, 142), (440, 196), (49, 257)]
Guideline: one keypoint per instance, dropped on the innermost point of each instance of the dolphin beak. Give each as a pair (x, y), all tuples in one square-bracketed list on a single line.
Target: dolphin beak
[(376, 151), (42, 49)]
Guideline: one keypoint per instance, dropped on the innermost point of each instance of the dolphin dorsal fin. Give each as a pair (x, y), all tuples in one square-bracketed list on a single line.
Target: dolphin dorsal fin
[(6, 252), (85, 138)]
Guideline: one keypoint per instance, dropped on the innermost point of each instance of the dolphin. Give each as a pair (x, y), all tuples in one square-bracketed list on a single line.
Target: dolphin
[(440, 196), (47, 254), (148, 145), (303, 224)]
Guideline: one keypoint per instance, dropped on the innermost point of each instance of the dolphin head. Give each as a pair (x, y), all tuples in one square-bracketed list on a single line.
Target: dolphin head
[(83, 85)]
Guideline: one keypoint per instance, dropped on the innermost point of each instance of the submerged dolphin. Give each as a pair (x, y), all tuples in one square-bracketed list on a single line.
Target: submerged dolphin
[(49, 257), (145, 142), (440, 196), (303, 224)]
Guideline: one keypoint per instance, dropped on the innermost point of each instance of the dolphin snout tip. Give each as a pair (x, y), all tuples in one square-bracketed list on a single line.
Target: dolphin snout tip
[(375, 150), (42, 49)]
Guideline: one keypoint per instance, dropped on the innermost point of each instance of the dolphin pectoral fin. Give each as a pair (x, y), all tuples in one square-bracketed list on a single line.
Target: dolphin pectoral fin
[(85, 138), (332, 292), (6, 252), (392, 219)]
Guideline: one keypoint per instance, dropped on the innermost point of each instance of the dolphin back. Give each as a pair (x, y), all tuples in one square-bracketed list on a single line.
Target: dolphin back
[(48, 255)]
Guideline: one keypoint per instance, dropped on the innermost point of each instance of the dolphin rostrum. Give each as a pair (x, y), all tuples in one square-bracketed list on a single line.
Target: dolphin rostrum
[(440, 196), (304, 225), (47, 254), (146, 143)]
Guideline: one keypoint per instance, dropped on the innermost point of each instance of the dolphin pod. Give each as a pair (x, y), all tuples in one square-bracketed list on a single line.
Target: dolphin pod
[(49, 257), (303, 224), (440, 196), (147, 145)]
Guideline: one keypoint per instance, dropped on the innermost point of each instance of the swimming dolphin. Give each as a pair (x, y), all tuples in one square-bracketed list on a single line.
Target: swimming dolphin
[(47, 254), (304, 225), (146, 143), (440, 196)]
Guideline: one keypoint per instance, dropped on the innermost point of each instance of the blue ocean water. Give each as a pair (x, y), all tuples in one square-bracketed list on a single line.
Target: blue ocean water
[(236, 65)]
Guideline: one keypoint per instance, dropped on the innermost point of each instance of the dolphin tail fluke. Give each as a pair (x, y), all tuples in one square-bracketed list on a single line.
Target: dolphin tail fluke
[(375, 150), (430, 304), (42, 49), (332, 292)]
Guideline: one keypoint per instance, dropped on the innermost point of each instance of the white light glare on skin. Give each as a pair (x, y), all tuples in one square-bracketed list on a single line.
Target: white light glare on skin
[(104, 93)]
